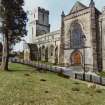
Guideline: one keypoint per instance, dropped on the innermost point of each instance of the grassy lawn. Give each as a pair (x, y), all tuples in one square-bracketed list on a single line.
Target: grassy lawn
[(25, 86)]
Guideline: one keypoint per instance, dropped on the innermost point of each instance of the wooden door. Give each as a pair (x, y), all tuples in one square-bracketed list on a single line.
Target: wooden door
[(77, 58)]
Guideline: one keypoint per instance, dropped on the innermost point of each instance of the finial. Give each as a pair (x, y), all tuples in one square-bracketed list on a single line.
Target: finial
[(92, 3), (63, 14)]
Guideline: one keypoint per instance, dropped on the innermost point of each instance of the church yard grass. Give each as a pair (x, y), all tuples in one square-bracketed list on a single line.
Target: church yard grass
[(23, 85)]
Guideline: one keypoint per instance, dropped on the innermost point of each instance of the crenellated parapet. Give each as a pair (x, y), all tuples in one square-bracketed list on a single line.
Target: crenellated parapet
[(43, 10)]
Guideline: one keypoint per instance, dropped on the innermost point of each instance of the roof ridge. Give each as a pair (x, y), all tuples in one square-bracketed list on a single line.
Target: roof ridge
[(77, 6), (81, 3)]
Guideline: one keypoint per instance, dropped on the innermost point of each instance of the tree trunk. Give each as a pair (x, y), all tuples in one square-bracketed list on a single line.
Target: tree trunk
[(5, 54)]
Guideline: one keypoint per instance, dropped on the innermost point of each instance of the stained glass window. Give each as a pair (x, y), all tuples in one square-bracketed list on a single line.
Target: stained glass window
[(76, 36)]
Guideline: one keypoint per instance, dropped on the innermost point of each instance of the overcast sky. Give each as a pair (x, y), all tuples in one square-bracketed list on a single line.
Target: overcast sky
[(55, 7)]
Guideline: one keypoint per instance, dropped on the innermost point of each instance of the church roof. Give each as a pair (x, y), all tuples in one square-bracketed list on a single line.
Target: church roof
[(77, 7)]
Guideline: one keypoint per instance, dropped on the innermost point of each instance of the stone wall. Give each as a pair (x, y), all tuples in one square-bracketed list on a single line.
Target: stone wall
[(51, 43), (102, 34), (83, 18)]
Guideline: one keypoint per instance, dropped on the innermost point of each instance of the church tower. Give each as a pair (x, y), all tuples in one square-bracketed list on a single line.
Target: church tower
[(38, 23), (42, 24)]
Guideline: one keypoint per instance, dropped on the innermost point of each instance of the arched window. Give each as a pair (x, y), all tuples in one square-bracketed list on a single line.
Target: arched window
[(56, 55), (43, 51), (51, 50), (46, 54), (56, 51), (40, 53), (76, 35)]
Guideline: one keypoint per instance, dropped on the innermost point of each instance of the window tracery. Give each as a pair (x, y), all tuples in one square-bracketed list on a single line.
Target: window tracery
[(76, 35)]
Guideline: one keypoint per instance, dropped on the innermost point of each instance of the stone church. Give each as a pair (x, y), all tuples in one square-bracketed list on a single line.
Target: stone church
[(79, 42)]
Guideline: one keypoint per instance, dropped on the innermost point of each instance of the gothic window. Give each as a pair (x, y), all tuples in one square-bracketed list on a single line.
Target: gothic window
[(51, 50), (76, 36), (56, 52), (46, 54), (43, 51), (56, 55), (40, 53)]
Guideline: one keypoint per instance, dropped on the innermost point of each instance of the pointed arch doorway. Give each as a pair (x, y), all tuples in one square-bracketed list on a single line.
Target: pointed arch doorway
[(76, 58)]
